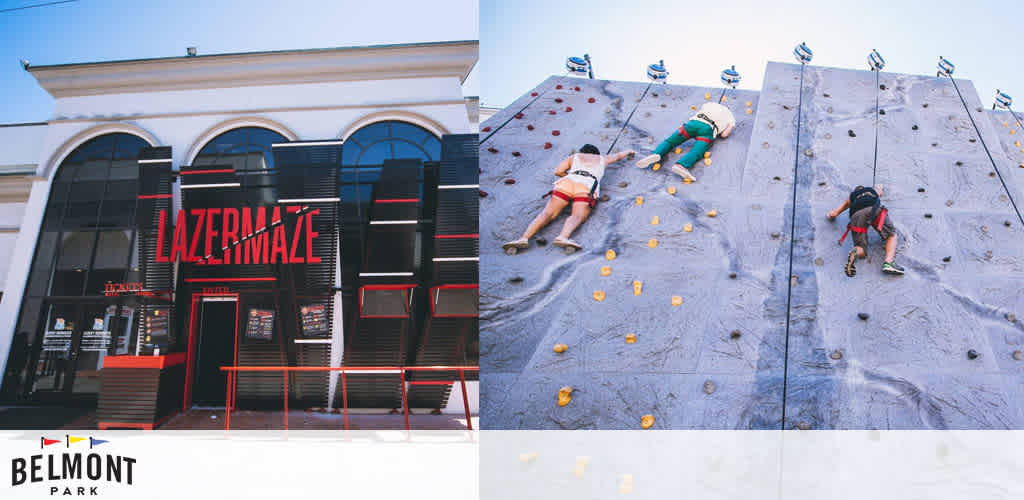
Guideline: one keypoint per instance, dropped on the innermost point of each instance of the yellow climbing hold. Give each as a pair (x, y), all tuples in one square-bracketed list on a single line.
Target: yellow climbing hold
[(712, 212), (638, 287), (679, 150), (606, 270), (1006, 124), (652, 243), (630, 338), (750, 111), (655, 220), (564, 395), (693, 107), (671, 190), (610, 255), (707, 154), (688, 228), (724, 99), (639, 200), (687, 181), (656, 167), (1012, 131), (677, 300), (1017, 143), (707, 161), (748, 104), (560, 348), (707, 95), (647, 421), (599, 295)]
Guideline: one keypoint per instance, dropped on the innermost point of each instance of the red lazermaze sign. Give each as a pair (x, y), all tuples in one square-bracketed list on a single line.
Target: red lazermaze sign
[(217, 236)]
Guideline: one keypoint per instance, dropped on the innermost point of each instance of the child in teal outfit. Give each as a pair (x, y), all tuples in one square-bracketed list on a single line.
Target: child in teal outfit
[(711, 122)]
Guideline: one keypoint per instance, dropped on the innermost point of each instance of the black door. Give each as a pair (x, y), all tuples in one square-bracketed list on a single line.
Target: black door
[(216, 348), (75, 339)]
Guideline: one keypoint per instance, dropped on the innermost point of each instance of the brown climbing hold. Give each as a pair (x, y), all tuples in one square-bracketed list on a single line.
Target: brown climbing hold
[(534, 94), (991, 174), (850, 132), (947, 258), (959, 163), (863, 316), (804, 426), (920, 190), (709, 387), (529, 127), (492, 150), (1018, 355), (555, 133), (925, 105), (836, 355), (483, 194), (519, 116), (558, 87), (516, 154), (547, 145), (785, 107), (776, 178), (551, 112), (935, 144), (1006, 223), (732, 276), (664, 105), (560, 348), (486, 129), (775, 235), (558, 100), (819, 261), (515, 279), (735, 334), (605, 197)]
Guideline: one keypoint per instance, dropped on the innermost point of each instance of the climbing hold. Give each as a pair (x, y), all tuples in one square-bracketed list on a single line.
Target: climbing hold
[(486, 129), (947, 258), (785, 107), (882, 86), (819, 261), (775, 235), (577, 89), (560, 348), (851, 133), (1012, 131), (492, 150), (483, 194), (920, 190), (707, 161), (709, 387), (1005, 124), (804, 426), (863, 316), (555, 133), (664, 105), (599, 295), (558, 87), (748, 104), (606, 270), (568, 109), (534, 94), (542, 241), (516, 154), (828, 135), (551, 112), (829, 109), (913, 127), (1006, 223), (638, 287), (750, 111), (610, 255), (639, 200), (630, 338), (623, 184), (776, 178), (655, 220), (881, 111), (679, 150), (822, 183), (693, 107), (949, 203), (1018, 355), (515, 279), (712, 213), (687, 181), (547, 145), (656, 167), (510, 181), (707, 154), (927, 216), (925, 105), (991, 174), (959, 163), (564, 395), (707, 95), (671, 190), (1011, 317), (735, 334), (652, 243), (732, 276), (646, 422), (771, 125), (688, 227), (725, 99), (1016, 143), (935, 144), (676, 300), (972, 354)]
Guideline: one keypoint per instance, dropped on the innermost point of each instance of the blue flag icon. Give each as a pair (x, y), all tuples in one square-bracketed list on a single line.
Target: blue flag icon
[(95, 442)]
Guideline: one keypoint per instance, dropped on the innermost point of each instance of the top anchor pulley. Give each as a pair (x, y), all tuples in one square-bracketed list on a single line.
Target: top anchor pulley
[(876, 61), (730, 77), (657, 72), (803, 53)]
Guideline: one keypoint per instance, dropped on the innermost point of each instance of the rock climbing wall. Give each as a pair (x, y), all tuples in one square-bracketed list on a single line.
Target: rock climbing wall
[(767, 335), (1011, 145)]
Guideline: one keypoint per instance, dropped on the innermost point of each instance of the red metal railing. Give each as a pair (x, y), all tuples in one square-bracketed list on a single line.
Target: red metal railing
[(233, 371)]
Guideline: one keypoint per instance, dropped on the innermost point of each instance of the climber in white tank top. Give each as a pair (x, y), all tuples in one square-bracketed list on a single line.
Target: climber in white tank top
[(579, 186)]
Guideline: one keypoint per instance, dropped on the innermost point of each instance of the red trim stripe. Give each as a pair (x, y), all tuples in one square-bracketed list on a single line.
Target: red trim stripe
[(227, 280), (213, 171), (682, 130), (155, 196), (559, 194), (704, 139), (454, 236), (398, 200)]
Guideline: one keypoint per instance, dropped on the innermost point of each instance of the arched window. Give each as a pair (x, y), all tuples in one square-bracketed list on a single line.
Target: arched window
[(388, 140), (246, 148)]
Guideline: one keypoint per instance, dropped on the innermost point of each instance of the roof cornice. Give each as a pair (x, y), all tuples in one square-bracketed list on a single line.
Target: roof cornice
[(425, 60)]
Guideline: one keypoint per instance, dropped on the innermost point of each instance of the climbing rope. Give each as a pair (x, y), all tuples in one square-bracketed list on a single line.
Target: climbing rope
[(803, 54), (946, 69), (876, 62), (628, 118)]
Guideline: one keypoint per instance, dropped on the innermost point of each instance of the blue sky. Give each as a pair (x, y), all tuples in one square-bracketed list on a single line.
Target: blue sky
[(101, 30), (524, 42)]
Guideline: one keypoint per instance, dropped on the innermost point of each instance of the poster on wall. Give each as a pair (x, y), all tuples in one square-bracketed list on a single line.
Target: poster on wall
[(157, 332), (314, 320), (260, 324)]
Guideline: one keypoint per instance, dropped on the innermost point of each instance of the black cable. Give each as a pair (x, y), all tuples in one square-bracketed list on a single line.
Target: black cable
[(722, 96), (36, 5), (792, 237), (982, 139), (874, 167), (630, 117)]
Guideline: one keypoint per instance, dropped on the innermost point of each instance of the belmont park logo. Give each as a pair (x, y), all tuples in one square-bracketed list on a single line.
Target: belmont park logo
[(74, 462)]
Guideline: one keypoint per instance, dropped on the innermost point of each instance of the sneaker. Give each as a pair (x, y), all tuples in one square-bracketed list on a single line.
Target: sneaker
[(683, 172), (519, 244), (648, 160), (851, 263), (892, 268), (566, 243)]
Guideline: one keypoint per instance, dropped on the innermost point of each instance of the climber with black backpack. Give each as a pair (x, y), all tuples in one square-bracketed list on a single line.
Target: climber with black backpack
[(866, 209)]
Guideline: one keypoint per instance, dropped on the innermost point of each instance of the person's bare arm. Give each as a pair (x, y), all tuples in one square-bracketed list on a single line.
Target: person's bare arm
[(835, 213), (728, 130), (617, 157), (563, 168)]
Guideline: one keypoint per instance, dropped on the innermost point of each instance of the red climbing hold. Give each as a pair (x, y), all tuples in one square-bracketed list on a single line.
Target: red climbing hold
[(551, 112), (577, 89), (547, 145), (555, 132), (559, 87), (568, 109), (591, 100), (519, 116), (515, 153), (529, 127), (558, 100), (487, 129), (483, 194), (492, 150), (533, 94), (510, 181)]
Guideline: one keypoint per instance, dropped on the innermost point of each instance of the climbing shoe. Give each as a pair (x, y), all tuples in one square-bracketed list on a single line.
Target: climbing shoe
[(683, 172), (648, 160), (566, 243), (519, 244), (851, 263), (892, 268)]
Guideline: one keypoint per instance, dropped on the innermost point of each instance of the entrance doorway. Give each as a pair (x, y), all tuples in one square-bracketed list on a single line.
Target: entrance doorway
[(215, 348)]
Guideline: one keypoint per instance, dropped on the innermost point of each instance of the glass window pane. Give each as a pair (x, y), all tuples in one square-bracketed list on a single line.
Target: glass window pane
[(384, 303), (456, 301), (407, 151), (375, 154), (76, 250), (112, 250)]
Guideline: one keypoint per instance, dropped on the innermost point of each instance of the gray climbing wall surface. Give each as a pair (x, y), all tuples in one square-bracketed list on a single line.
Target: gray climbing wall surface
[(725, 358)]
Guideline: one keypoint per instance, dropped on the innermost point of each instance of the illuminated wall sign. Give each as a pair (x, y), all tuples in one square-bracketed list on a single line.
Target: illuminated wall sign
[(243, 235)]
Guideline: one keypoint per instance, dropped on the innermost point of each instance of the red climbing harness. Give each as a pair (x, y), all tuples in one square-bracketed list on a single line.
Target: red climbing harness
[(878, 222)]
